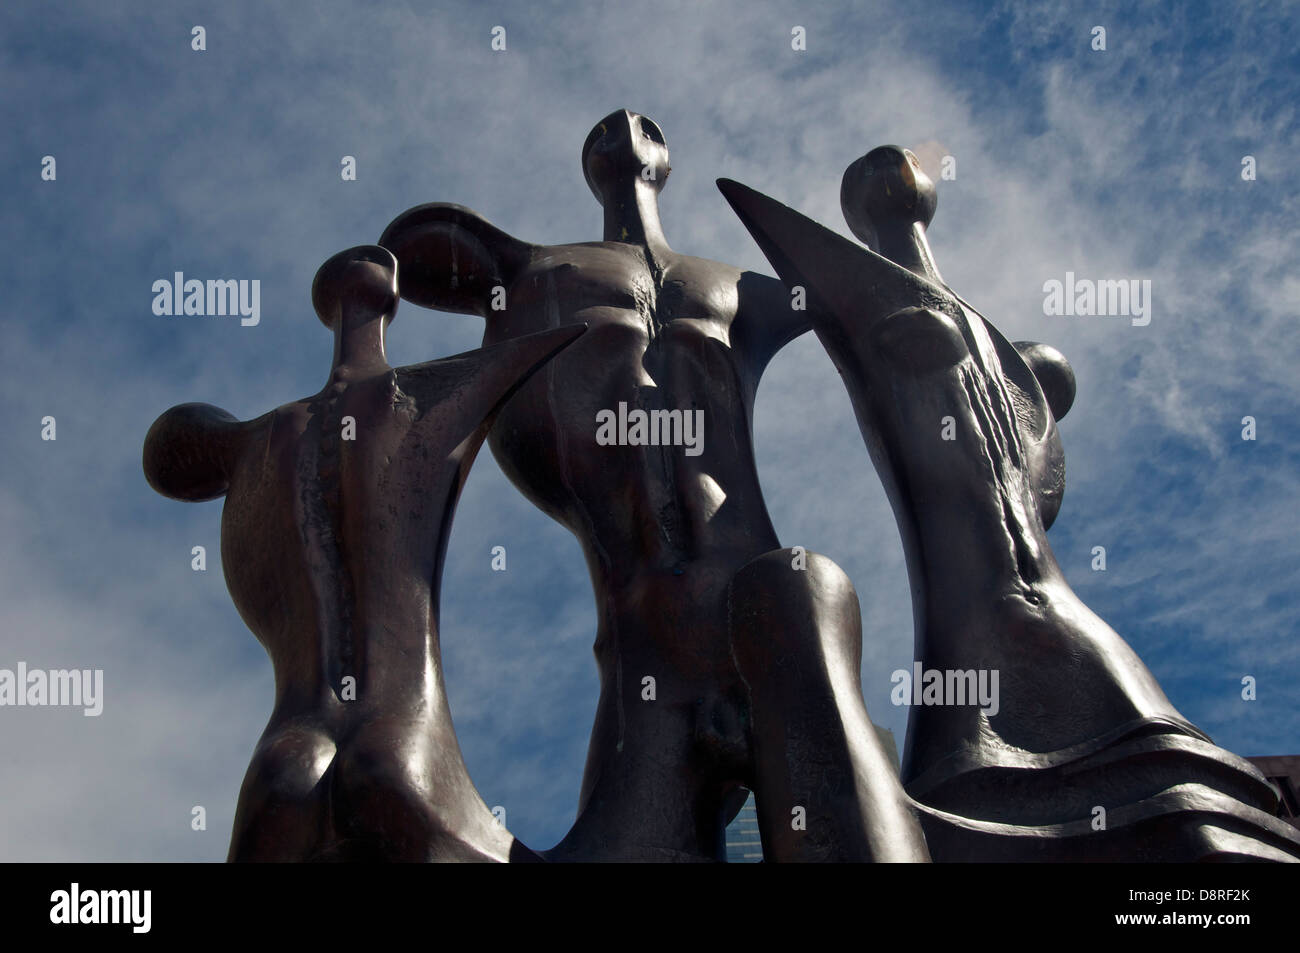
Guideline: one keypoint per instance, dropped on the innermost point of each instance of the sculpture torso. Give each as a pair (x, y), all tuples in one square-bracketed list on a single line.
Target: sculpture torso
[(663, 531), (666, 530), (337, 513), (659, 338), (325, 497)]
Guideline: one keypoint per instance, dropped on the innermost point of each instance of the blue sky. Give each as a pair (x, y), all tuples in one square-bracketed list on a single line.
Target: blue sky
[(225, 163)]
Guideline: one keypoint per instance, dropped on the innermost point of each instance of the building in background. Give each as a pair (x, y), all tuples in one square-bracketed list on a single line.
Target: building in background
[(743, 843)]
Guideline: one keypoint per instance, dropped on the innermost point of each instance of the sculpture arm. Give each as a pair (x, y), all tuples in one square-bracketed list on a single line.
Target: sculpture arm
[(770, 316), (191, 451), (450, 257)]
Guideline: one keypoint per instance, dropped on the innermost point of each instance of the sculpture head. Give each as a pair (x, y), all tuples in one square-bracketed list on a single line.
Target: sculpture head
[(360, 283), (623, 147), (884, 190)]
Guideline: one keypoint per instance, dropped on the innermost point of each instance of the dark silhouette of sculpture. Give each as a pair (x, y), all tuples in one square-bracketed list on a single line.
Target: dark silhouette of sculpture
[(1081, 724), (616, 388), (337, 512), (753, 650)]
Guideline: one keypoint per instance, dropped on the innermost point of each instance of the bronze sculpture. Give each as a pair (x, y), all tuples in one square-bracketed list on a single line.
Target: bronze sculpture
[(1082, 724), (684, 561), (335, 525), (726, 661)]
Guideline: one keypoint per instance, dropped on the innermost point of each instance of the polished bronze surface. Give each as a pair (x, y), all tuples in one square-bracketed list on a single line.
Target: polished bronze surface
[(335, 524), (692, 587), (616, 390), (1083, 758)]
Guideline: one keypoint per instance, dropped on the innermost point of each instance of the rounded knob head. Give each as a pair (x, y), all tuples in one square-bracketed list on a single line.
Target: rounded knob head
[(1054, 373), (886, 187), (624, 145), (360, 282)]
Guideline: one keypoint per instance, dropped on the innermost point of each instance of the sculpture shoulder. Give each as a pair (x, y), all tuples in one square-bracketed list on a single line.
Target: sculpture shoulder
[(450, 257), (192, 450), (769, 316), (749, 296), (701, 271), (447, 214)]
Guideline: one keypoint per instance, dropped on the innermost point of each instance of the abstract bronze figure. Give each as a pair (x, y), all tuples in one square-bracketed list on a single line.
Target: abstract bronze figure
[(616, 389), (337, 513), (1082, 725), (724, 660)]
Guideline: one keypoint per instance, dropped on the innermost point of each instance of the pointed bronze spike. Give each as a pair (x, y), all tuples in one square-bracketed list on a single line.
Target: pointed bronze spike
[(853, 284), (465, 390)]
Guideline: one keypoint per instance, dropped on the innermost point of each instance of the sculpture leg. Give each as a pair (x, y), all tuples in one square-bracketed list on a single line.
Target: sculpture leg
[(1048, 779), (401, 794), (283, 812), (824, 788), (661, 762), (373, 797)]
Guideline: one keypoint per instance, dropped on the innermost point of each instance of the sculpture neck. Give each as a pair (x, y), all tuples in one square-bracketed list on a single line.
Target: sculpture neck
[(361, 345), (632, 216)]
